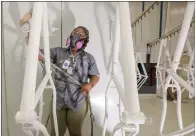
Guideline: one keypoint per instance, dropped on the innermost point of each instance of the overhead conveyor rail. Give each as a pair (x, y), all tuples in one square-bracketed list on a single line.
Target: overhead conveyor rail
[(143, 14), (168, 34)]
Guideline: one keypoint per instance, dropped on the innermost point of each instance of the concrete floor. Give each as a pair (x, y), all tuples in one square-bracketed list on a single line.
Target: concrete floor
[(151, 106), (147, 89)]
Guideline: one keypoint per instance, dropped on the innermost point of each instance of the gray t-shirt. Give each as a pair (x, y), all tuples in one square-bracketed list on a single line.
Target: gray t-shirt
[(69, 95)]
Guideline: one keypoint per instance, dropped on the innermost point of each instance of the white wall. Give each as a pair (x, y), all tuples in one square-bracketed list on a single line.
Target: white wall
[(4, 98)]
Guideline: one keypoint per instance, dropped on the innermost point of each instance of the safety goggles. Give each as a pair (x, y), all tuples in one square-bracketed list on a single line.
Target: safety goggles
[(82, 35)]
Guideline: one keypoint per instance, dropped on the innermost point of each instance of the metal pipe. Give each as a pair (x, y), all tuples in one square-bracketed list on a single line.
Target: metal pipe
[(164, 109), (106, 108), (158, 72), (143, 4), (183, 35), (116, 128), (141, 78), (191, 55), (178, 52), (28, 102), (47, 65), (28, 94), (119, 88), (181, 81), (40, 127), (131, 100), (114, 69), (41, 104), (40, 89), (46, 40), (28, 132), (136, 66), (54, 106), (179, 114), (184, 131), (161, 18), (137, 130), (115, 55), (142, 64), (116, 42)]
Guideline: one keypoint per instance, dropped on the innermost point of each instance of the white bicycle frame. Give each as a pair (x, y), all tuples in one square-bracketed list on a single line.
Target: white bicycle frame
[(131, 117), (173, 80), (27, 115), (141, 78)]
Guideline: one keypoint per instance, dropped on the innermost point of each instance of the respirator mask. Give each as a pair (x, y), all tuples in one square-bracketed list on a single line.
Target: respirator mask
[(74, 41)]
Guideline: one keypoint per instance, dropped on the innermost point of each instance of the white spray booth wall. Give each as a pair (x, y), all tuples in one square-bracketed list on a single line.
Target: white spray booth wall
[(99, 18)]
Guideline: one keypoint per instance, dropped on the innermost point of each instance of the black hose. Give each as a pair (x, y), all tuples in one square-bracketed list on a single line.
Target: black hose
[(87, 97), (91, 113)]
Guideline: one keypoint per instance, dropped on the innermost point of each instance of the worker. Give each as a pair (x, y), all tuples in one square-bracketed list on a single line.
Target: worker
[(71, 104)]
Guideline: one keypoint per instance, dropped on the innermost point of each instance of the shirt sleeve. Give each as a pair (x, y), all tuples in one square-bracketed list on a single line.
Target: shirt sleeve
[(93, 70), (53, 54)]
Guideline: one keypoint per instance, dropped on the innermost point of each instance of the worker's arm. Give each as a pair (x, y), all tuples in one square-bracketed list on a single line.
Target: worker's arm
[(93, 74), (94, 80), (26, 18), (86, 88)]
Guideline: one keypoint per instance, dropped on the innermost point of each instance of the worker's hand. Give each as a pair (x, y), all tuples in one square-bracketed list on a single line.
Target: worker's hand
[(26, 18), (86, 88), (40, 58)]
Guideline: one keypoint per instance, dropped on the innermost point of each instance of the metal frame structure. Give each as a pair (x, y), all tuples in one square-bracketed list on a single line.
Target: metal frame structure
[(27, 115), (131, 117), (141, 78), (173, 80)]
